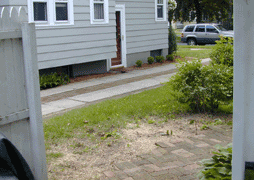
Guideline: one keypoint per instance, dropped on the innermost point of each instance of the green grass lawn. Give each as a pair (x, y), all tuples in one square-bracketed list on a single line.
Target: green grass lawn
[(178, 31), (178, 39), (185, 51), (112, 114), (108, 116)]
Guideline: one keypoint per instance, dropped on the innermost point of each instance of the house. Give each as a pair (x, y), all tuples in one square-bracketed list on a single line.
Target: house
[(91, 36)]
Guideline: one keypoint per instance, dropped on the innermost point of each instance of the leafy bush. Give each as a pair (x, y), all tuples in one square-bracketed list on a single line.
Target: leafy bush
[(150, 60), (159, 59), (170, 57), (53, 80), (139, 63), (219, 166), (172, 44), (203, 87), (223, 51)]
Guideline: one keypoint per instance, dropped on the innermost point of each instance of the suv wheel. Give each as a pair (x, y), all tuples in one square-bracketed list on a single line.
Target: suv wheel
[(191, 42)]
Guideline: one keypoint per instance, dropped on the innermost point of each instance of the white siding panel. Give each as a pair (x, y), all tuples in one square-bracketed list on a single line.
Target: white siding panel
[(74, 53), (145, 48), (74, 46), (86, 17), (140, 16), (139, 10), (131, 34), (143, 33), (73, 31), (78, 43), (146, 38), (75, 60), (86, 9), (139, 4), (146, 27), (78, 3), (73, 39), (153, 42)]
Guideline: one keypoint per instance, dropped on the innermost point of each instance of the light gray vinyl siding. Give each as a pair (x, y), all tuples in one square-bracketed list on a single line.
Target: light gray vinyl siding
[(13, 2), (143, 33), (79, 43)]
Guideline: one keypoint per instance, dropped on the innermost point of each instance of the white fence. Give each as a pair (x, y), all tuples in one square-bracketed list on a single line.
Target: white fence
[(20, 109)]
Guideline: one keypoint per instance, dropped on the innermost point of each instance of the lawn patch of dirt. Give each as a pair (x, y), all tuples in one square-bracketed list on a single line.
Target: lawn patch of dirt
[(84, 158)]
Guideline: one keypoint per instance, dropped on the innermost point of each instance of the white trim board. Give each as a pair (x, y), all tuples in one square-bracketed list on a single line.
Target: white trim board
[(121, 8)]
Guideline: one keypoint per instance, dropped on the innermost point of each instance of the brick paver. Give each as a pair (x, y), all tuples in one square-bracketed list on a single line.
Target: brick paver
[(176, 159)]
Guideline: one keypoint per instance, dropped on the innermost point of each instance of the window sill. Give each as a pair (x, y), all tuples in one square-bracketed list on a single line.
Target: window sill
[(160, 19), (99, 22), (52, 26)]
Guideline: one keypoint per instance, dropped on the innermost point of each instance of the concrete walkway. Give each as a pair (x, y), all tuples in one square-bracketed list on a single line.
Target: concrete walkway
[(69, 97)]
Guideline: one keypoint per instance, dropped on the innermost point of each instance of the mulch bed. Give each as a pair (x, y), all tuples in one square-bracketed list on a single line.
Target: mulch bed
[(123, 70)]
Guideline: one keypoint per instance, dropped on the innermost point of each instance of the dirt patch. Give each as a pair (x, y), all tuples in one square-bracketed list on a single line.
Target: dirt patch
[(84, 158)]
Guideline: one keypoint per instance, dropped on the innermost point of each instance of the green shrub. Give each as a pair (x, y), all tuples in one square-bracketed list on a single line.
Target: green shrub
[(172, 44), (160, 59), (223, 51), (150, 60), (170, 57), (219, 166), (203, 87), (53, 80), (139, 63)]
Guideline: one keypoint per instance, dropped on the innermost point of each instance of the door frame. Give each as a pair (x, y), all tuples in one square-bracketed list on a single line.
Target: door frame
[(121, 8)]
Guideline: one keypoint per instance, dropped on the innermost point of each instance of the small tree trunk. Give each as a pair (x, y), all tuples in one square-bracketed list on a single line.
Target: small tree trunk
[(198, 11)]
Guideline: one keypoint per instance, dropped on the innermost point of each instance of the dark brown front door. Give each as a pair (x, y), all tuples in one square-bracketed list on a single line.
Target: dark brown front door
[(118, 59)]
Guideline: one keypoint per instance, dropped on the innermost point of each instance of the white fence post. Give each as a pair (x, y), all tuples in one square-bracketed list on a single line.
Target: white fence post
[(243, 119), (33, 91)]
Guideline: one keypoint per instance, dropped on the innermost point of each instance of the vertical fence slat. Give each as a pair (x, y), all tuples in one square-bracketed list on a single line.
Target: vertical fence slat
[(20, 135), (19, 74), (6, 130), (22, 15), (14, 19), (3, 90), (6, 21), (10, 78), (15, 76), (1, 23), (22, 81)]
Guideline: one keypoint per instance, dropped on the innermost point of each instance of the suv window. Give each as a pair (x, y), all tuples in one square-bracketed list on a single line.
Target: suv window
[(189, 29), (211, 29), (200, 29)]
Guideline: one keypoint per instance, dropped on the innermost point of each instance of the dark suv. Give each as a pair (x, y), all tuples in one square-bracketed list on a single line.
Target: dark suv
[(195, 34)]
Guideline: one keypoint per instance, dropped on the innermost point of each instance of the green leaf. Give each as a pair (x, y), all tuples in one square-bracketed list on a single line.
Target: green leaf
[(222, 170)]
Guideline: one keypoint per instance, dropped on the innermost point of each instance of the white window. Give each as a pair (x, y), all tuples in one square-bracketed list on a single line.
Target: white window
[(51, 12), (99, 11), (160, 10)]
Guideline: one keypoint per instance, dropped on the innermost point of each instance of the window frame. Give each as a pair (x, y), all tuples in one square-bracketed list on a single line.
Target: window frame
[(211, 32), (188, 27), (51, 13), (106, 12), (163, 9), (200, 31)]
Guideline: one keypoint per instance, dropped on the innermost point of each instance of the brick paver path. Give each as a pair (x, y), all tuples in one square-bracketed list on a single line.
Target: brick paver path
[(176, 159)]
